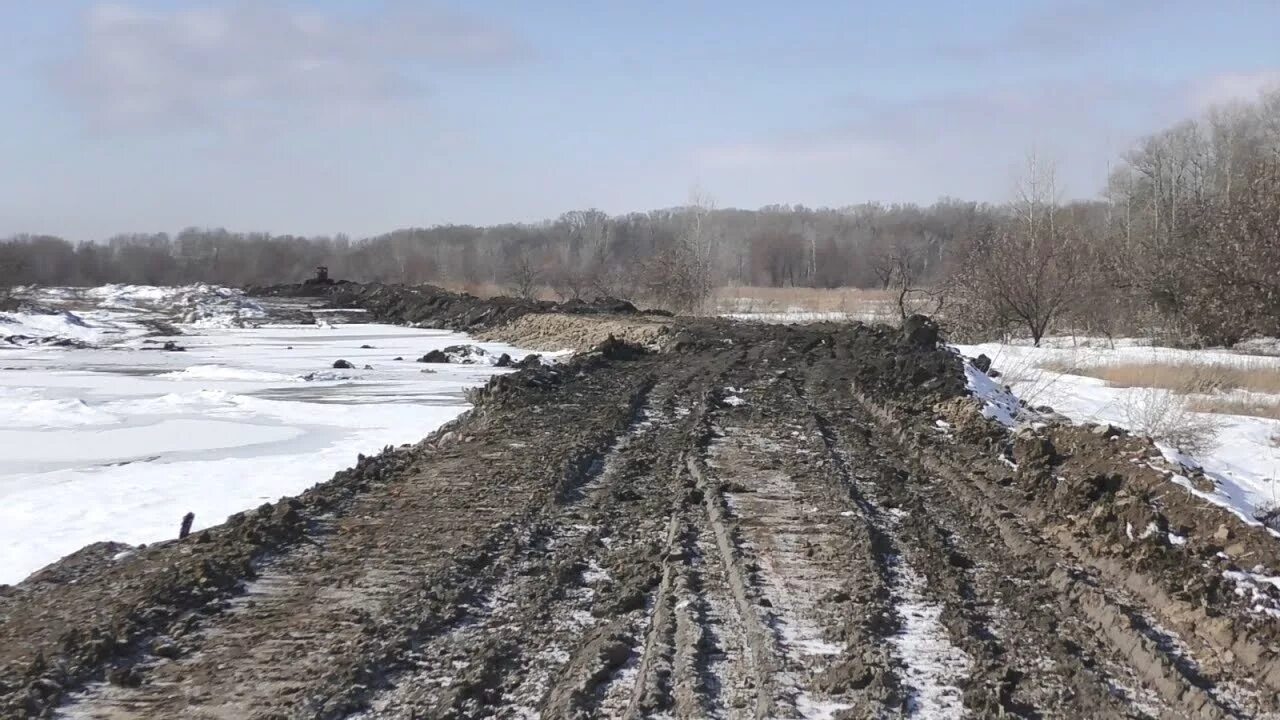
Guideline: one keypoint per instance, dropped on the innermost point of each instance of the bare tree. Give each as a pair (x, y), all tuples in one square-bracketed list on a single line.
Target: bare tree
[(523, 275), (679, 275), (911, 297), (1029, 269)]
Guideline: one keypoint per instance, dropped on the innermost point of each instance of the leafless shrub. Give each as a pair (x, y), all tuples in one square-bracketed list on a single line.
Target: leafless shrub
[(672, 280), (1167, 417), (524, 276), (1034, 384), (678, 276)]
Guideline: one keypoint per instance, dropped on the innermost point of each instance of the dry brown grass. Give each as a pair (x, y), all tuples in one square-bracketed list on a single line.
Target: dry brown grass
[(1183, 378), (1250, 388), (1237, 405), (554, 331), (851, 301), (744, 299)]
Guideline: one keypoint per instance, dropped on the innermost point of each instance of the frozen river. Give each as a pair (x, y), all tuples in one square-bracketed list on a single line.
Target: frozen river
[(118, 443)]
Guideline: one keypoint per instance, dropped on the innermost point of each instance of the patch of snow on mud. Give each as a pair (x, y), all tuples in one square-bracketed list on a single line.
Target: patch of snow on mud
[(1260, 589), (811, 709), (1228, 492), (806, 639), (933, 666), (998, 403), (594, 573), (469, 355)]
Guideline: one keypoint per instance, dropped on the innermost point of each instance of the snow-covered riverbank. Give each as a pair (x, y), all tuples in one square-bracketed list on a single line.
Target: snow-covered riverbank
[(117, 442)]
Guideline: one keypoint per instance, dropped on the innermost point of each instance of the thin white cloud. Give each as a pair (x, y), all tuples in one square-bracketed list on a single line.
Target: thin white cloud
[(222, 66), (792, 154), (963, 143), (1062, 27), (1233, 87)]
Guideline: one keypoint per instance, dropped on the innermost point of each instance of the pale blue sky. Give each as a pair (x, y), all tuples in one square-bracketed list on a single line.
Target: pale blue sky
[(327, 117)]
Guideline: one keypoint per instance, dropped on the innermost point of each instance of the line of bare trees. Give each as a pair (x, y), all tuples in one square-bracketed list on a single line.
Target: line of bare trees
[(672, 258), (1184, 241)]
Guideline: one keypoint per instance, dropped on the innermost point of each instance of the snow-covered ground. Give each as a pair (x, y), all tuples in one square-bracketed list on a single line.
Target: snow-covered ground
[(1245, 460), (118, 441), (113, 314)]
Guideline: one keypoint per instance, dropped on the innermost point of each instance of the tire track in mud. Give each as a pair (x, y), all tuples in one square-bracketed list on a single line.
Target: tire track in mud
[(1098, 656), (731, 530), (938, 622), (453, 676), (665, 673), (1024, 661), (323, 624), (824, 585), (632, 674), (954, 589), (793, 567), (930, 668), (1102, 637), (584, 625)]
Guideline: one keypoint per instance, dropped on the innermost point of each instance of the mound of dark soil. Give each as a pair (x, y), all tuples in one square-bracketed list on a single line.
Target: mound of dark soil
[(430, 306)]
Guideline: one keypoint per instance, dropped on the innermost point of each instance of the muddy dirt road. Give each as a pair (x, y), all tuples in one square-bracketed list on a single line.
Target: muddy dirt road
[(753, 522)]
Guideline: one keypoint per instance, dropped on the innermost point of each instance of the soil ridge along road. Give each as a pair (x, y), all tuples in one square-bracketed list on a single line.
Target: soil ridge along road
[(727, 521)]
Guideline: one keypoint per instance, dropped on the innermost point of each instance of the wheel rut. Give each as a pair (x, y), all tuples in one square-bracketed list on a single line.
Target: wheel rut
[(352, 606), (756, 523)]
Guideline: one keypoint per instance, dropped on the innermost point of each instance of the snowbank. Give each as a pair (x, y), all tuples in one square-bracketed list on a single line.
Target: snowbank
[(1245, 464), (114, 314), (24, 408), (200, 304), (35, 328)]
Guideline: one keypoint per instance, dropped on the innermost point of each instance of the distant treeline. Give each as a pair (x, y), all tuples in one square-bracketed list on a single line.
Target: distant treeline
[(1185, 240), (579, 253)]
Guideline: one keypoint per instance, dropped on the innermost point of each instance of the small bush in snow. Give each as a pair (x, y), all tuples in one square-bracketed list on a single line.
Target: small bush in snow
[(1165, 416)]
